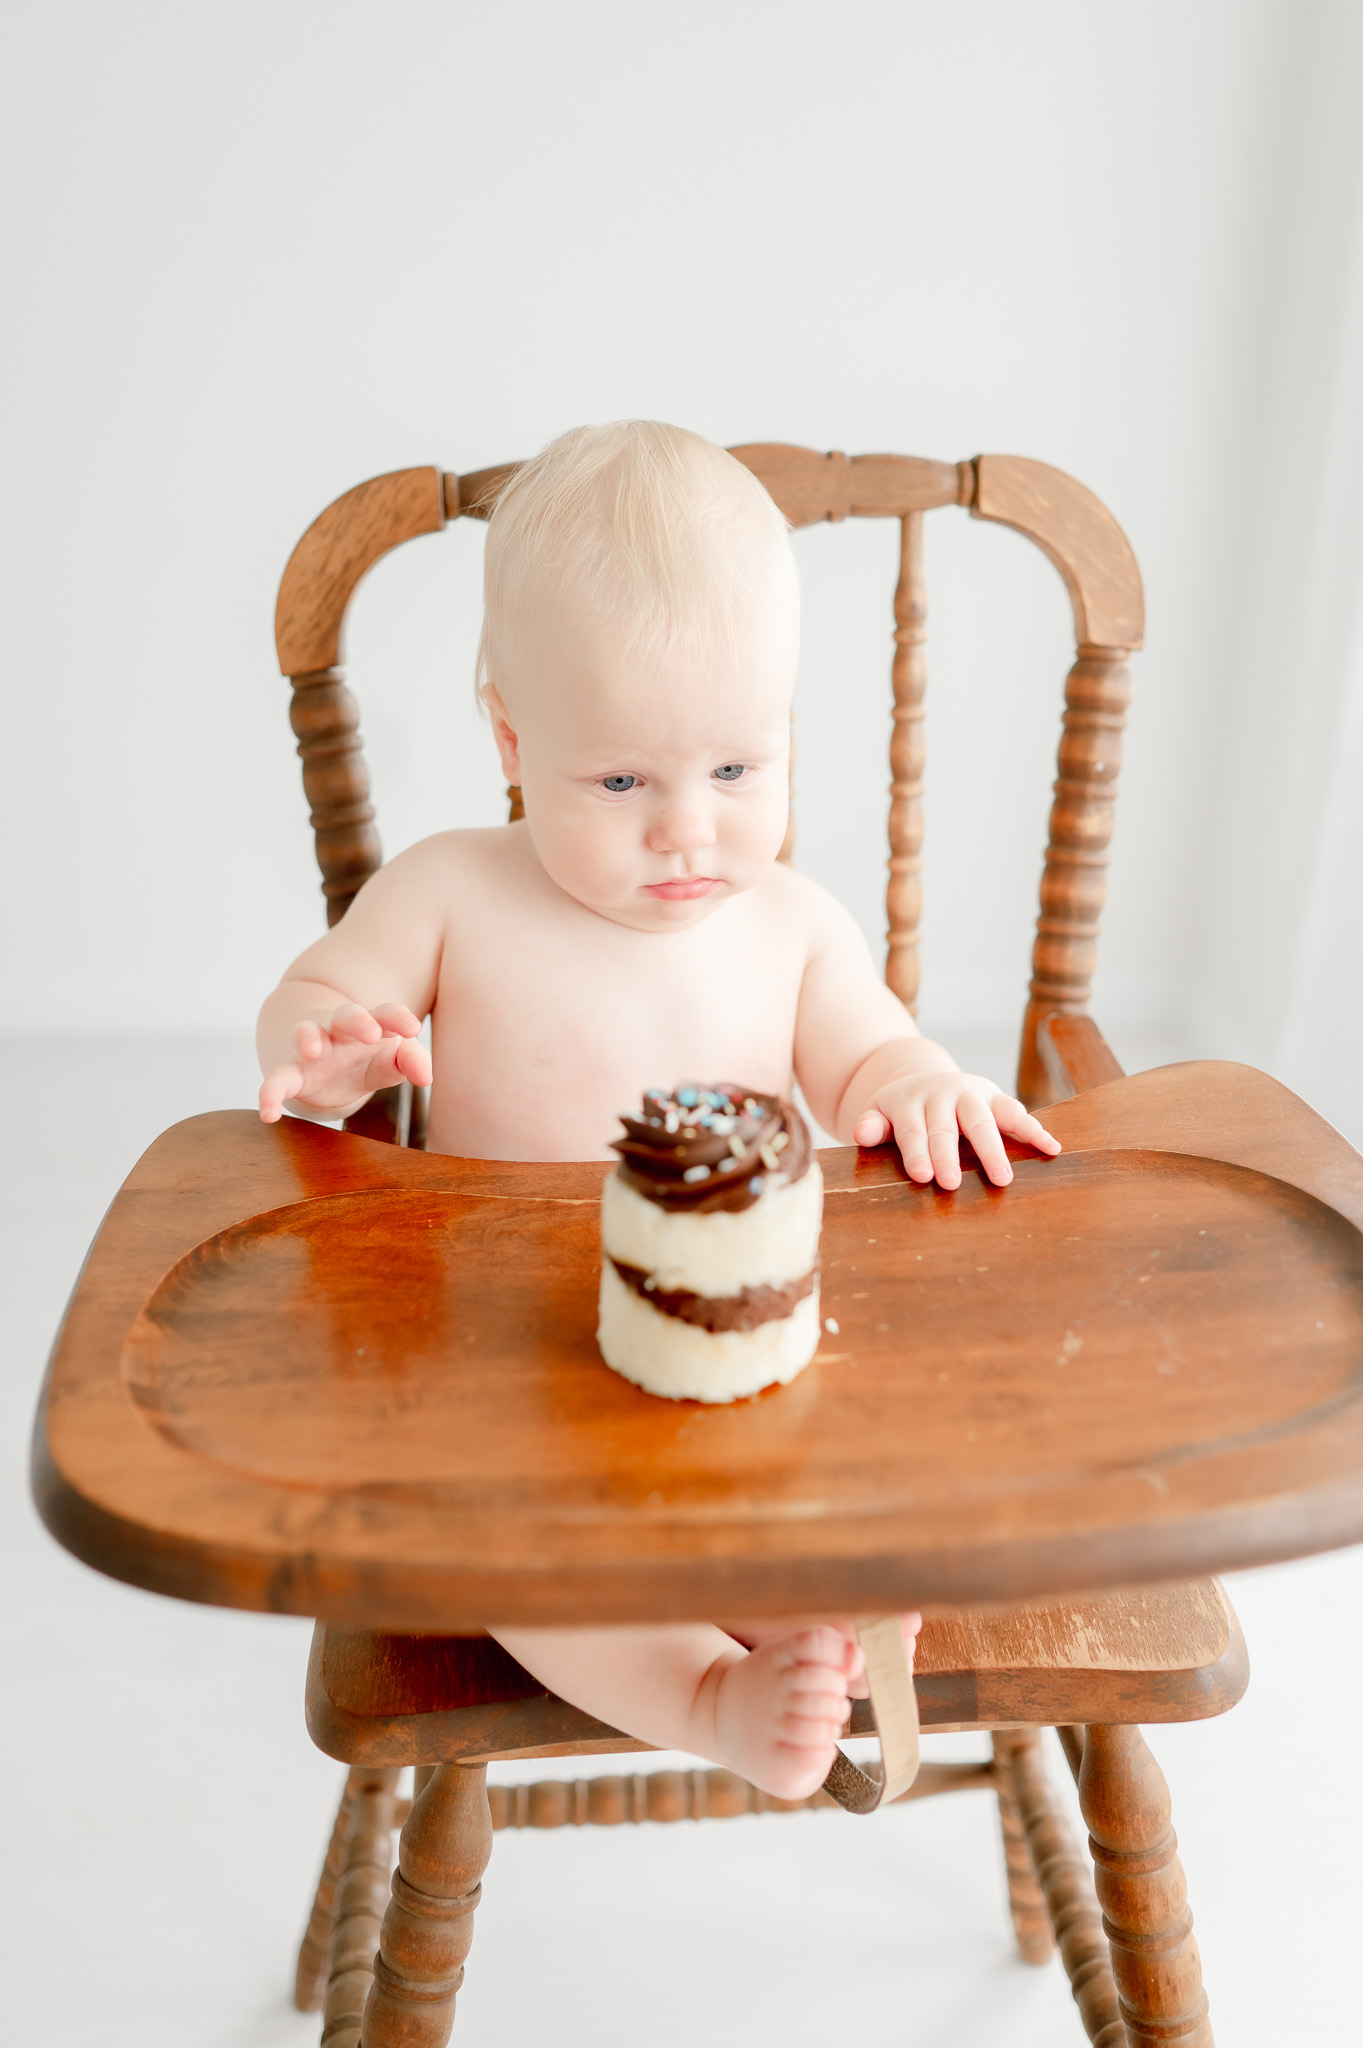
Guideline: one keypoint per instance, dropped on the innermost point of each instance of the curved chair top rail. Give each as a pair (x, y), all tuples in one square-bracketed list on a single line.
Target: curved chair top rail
[(1072, 528)]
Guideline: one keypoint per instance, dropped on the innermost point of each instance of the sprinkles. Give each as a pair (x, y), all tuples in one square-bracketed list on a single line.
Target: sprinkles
[(684, 1138)]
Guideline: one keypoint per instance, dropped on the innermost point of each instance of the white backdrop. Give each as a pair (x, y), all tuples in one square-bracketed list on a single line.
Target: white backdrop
[(256, 254)]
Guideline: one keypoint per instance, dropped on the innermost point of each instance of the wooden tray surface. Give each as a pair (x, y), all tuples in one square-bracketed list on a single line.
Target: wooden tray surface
[(306, 1372)]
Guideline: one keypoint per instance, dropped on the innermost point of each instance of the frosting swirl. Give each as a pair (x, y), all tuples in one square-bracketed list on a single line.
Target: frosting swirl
[(712, 1148)]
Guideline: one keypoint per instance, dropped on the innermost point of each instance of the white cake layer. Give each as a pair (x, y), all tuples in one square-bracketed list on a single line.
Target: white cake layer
[(675, 1359), (722, 1251)]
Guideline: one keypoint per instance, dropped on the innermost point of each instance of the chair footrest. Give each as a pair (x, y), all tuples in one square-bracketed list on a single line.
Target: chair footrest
[(1167, 1653)]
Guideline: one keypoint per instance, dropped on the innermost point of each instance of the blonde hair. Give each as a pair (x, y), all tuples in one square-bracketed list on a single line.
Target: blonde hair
[(654, 530)]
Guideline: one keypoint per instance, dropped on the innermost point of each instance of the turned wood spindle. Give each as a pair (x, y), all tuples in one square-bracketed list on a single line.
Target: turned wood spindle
[(310, 1976), (664, 1796), (1074, 881), (428, 1927), (326, 720), (1141, 1890), (360, 1897), (908, 676), (1031, 1921), (1067, 1886)]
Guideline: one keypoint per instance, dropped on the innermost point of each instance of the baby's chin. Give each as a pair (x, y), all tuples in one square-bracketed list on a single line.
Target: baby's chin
[(643, 911)]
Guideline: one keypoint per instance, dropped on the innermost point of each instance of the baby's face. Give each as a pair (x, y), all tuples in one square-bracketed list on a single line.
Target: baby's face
[(655, 788)]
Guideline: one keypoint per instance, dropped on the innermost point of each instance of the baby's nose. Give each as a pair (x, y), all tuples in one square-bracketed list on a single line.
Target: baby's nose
[(681, 831)]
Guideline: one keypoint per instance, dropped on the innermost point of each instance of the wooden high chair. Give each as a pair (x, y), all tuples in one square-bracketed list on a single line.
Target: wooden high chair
[(1092, 1668)]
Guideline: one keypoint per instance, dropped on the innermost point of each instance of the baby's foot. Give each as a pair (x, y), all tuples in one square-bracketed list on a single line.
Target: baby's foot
[(780, 1709)]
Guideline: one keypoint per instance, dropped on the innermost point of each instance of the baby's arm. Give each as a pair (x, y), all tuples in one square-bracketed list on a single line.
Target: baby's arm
[(773, 1714), (867, 1071), (346, 1018)]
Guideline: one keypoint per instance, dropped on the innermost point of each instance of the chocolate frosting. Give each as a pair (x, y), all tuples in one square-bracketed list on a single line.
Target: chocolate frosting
[(742, 1311), (712, 1148)]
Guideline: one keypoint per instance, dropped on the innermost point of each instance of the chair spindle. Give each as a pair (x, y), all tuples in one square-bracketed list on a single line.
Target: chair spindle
[(326, 723), (1074, 882), (909, 677)]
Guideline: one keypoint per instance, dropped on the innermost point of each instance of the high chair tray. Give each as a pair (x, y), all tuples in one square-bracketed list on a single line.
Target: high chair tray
[(307, 1372)]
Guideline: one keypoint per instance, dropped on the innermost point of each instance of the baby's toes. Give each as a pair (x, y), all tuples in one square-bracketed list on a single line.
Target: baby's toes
[(813, 1717)]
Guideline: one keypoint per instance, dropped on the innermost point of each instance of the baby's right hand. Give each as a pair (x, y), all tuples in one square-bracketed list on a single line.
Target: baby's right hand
[(335, 1066)]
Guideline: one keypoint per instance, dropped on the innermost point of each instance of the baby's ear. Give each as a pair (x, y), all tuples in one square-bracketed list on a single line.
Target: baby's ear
[(503, 732)]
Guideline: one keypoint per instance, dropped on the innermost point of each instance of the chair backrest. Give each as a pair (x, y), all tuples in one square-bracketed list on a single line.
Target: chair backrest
[(1071, 527)]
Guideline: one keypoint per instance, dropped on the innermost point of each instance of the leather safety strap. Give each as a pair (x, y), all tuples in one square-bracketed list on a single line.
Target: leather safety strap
[(894, 1703)]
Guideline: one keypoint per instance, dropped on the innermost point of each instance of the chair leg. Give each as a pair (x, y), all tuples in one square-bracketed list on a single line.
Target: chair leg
[(1031, 1921), (1067, 1886), (310, 1976), (1141, 1889), (428, 1928), (360, 1894)]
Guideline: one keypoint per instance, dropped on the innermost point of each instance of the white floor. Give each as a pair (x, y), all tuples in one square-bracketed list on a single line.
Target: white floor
[(169, 1812)]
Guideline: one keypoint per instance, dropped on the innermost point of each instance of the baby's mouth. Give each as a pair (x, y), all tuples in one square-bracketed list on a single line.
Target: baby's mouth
[(682, 888)]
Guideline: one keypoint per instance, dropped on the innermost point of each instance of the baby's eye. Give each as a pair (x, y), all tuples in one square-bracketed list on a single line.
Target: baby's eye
[(618, 784), (731, 772)]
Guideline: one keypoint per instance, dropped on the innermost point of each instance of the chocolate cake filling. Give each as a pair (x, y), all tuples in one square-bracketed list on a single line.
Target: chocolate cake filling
[(712, 1148), (714, 1312)]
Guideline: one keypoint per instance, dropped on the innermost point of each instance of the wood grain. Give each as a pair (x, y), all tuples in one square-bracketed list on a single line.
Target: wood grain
[(360, 1896), (1026, 1902), (326, 720), (428, 1927), (908, 682), (1141, 1891), (245, 1407), (310, 1974), (1167, 1653), (474, 495), (1074, 1054), (1076, 532), (810, 486), (342, 543), (612, 1800), (1067, 1886), (1074, 878)]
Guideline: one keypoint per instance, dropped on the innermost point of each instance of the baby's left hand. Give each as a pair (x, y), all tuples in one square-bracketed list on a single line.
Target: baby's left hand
[(926, 1112)]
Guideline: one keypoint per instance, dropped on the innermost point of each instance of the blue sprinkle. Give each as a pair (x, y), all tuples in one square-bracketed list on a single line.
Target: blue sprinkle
[(687, 1097), (757, 1183)]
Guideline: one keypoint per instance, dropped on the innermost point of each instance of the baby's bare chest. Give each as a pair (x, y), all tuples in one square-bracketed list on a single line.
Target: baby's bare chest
[(539, 1045)]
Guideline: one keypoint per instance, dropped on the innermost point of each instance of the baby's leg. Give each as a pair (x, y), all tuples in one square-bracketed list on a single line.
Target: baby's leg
[(773, 1714)]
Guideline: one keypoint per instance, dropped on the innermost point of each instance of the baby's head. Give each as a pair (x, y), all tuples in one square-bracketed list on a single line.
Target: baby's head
[(640, 643)]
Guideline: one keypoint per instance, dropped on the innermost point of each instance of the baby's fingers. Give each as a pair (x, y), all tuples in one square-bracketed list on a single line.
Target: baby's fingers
[(943, 1140), (350, 1021), (309, 1040), (278, 1087), (397, 1019), (979, 1125), (871, 1128), (1018, 1122), (412, 1060), (911, 1136)]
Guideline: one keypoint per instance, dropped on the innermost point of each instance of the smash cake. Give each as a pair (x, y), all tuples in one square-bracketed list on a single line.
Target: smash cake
[(710, 1245)]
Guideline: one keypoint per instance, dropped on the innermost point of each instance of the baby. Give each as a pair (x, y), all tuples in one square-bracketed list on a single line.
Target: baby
[(638, 662)]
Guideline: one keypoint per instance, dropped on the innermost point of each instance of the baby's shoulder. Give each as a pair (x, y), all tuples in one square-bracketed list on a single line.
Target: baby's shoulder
[(802, 904), (451, 859), (449, 881)]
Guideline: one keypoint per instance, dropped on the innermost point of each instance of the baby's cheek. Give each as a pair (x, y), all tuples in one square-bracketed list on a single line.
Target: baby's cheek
[(753, 833), (592, 856)]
